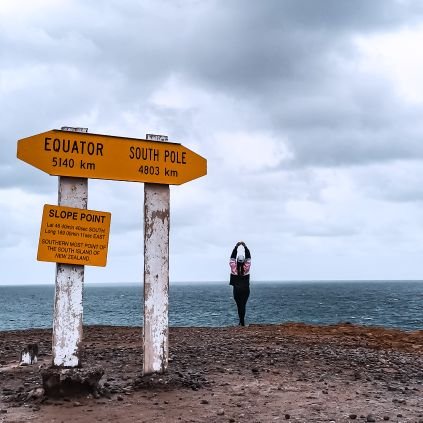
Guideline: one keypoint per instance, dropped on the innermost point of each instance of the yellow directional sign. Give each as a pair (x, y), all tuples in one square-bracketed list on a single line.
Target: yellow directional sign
[(74, 236), (85, 155)]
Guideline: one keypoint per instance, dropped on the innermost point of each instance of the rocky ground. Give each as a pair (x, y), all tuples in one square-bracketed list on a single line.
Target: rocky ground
[(260, 373)]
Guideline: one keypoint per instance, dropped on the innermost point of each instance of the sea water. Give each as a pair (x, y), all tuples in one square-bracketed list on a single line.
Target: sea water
[(392, 304)]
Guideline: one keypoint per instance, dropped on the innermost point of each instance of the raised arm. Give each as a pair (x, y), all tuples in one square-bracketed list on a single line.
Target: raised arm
[(232, 261), (247, 252), (247, 262), (234, 251)]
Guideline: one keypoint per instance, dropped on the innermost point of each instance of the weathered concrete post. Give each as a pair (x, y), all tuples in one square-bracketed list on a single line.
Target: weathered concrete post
[(67, 318), (156, 278)]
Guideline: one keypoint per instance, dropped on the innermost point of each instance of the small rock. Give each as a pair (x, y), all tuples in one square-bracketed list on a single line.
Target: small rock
[(352, 416), (36, 393), (386, 418), (3, 411), (370, 418), (287, 416), (221, 412), (119, 398), (204, 401)]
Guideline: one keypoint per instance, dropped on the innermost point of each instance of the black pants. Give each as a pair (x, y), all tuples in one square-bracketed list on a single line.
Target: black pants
[(241, 294)]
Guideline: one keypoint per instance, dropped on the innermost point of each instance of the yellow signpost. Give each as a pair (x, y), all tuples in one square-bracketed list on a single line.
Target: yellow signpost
[(86, 155), (74, 236)]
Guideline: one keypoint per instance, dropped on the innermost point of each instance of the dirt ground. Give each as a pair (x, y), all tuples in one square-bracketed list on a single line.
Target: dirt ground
[(260, 373)]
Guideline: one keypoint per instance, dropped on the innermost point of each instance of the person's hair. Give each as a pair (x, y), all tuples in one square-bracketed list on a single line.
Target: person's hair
[(240, 268)]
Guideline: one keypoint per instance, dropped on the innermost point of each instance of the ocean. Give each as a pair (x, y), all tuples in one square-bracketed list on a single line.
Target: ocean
[(391, 304)]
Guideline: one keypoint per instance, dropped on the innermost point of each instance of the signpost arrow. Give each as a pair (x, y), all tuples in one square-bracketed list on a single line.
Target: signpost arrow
[(86, 155)]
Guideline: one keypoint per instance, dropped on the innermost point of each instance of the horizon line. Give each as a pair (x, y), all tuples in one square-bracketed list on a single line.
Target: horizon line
[(216, 281)]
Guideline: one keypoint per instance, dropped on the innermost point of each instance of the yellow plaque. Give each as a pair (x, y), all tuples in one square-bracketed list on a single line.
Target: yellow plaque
[(74, 236), (85, 155)]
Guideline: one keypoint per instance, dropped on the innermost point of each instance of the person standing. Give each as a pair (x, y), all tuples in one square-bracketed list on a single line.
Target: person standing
[(240, 278)]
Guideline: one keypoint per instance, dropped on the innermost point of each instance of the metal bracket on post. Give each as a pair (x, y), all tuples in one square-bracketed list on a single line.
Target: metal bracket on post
[(156, 276), (68, 310)]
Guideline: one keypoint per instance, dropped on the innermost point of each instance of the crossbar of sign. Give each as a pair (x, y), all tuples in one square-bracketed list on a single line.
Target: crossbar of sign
[(86, 155)]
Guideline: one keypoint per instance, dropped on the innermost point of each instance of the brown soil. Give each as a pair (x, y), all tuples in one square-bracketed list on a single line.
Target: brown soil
[(260, 373)]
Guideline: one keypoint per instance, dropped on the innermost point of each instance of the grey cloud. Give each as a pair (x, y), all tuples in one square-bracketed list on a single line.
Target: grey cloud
[(357, 141), (26, 177), (285, 68), (401, 184), (272, 42), (327, 231), (300, 81), (331, 148), (226, 45)]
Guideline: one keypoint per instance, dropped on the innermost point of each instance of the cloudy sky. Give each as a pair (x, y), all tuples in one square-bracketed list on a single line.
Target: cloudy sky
[(309, 112)]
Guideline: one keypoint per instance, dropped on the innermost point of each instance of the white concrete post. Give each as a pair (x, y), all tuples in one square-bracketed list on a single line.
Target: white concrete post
[(156, 278), (67, 319)]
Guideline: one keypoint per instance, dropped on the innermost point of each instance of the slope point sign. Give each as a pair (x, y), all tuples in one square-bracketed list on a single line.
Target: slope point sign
[(74, 236), (86, 155)]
